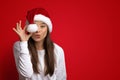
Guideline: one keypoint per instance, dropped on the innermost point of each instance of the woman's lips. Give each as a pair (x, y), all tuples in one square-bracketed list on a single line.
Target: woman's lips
[(37, 36)]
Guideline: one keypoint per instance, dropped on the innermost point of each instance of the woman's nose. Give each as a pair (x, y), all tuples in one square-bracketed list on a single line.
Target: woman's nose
[(39, 29)]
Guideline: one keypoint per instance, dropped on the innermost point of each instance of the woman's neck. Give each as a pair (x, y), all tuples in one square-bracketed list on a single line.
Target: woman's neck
[(39, 45)]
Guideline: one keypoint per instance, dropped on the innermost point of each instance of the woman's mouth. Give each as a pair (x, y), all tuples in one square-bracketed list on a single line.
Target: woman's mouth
[(37, 36)]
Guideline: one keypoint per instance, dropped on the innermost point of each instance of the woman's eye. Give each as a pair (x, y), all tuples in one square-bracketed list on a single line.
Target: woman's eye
[(42, 26)]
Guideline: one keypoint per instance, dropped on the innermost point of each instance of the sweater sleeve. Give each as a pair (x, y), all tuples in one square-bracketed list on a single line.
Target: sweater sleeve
[(22, 59), (61, 68)]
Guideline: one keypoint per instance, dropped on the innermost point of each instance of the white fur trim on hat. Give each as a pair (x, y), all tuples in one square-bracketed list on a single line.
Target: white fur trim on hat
[(40, 17)]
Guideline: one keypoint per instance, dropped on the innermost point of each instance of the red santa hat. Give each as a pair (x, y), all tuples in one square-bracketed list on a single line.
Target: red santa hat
[(39, 14)]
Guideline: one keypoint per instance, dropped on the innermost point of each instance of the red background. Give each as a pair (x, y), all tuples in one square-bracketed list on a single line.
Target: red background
[(88, 31)]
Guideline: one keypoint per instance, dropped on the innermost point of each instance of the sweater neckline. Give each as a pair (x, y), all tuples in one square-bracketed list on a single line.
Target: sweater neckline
[(41, 51)]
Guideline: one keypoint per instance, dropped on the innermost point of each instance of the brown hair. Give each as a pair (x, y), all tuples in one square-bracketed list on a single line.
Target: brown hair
[(49, 55)]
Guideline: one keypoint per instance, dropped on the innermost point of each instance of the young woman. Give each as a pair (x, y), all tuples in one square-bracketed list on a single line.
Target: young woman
[(36, 56)]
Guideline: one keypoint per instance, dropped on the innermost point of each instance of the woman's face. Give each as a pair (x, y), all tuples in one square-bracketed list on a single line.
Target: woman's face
[(41, 33)]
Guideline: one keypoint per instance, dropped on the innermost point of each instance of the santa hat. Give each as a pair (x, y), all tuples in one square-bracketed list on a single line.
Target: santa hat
[(38, 14)]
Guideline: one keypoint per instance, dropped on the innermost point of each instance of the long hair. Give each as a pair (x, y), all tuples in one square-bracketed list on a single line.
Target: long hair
[(49, 57)]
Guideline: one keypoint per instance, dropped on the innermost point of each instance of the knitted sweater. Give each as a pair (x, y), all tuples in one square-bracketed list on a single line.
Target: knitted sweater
[(24, 65)]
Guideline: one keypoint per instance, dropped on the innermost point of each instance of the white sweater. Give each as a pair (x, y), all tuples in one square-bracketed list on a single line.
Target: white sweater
[(24, 65)]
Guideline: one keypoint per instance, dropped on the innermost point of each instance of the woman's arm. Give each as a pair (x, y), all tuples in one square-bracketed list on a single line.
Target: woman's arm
[(61, 67), (22, 59), (21, 52)]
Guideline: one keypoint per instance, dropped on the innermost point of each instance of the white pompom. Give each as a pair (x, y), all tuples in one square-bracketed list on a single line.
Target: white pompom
[(32, 28)]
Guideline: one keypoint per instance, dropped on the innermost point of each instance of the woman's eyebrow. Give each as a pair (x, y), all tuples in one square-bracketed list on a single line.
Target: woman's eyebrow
[(43, 23)]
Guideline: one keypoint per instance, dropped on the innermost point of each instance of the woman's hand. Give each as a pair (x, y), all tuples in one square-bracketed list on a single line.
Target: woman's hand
[(22, 32)]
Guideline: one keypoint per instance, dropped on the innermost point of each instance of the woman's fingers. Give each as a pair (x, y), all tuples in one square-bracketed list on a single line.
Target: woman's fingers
[(20, 25), (29, 35), (15, 31), (22, 32), (17, 26), (25, 27)]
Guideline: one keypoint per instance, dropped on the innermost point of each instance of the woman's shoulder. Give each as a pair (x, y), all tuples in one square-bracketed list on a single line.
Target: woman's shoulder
[(59, 54), (58, 49)]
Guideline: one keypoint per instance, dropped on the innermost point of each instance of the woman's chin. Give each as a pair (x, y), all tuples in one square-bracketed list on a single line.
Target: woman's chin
[(37, 40)]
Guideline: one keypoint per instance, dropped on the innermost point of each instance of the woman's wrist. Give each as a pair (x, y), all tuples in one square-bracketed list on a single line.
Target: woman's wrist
[(23, 39), (24, 47)]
